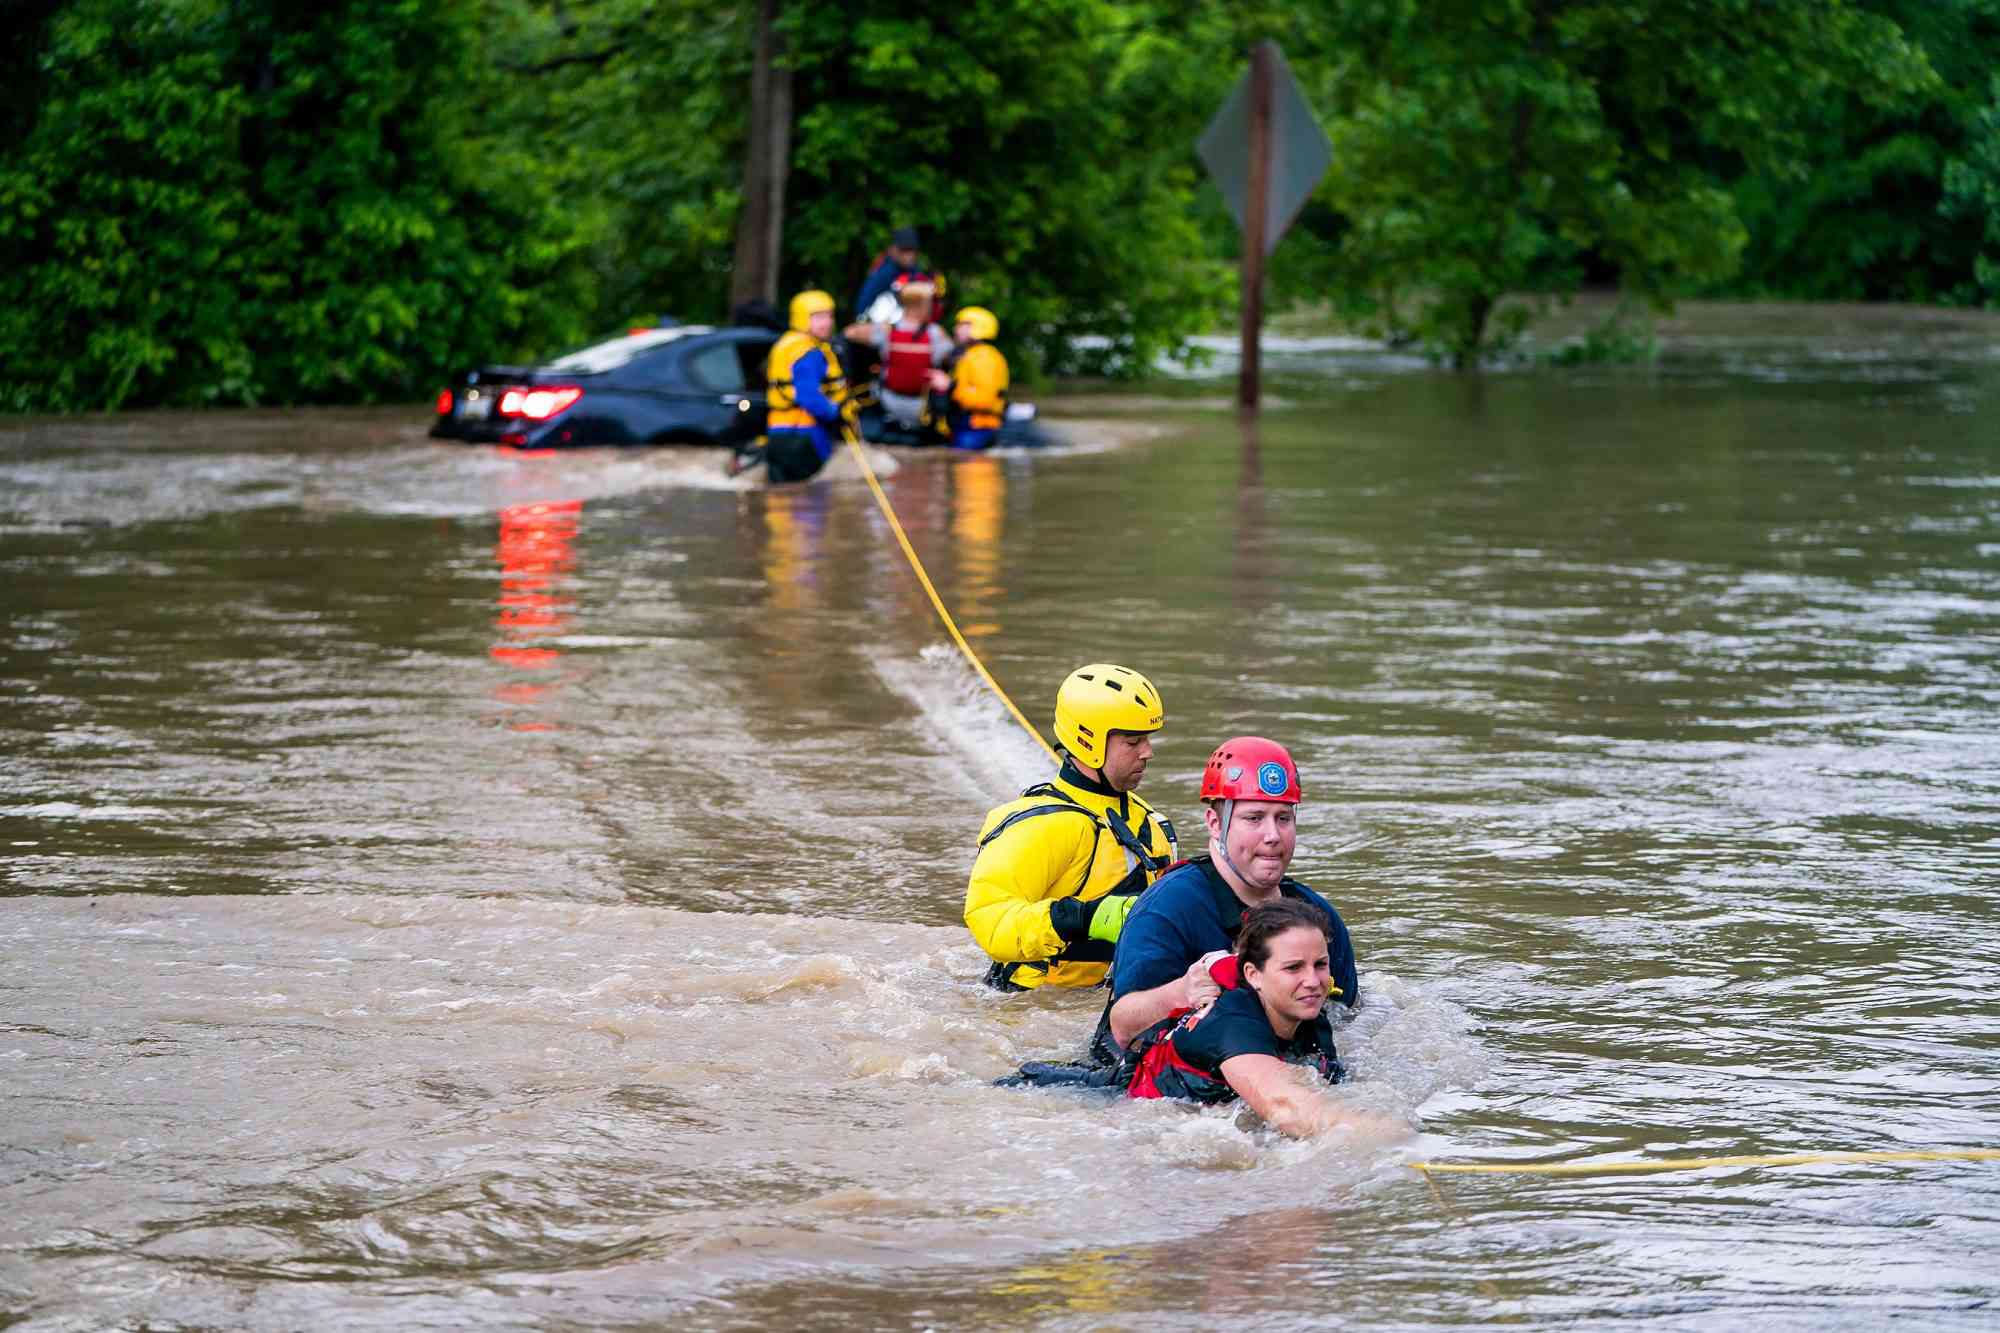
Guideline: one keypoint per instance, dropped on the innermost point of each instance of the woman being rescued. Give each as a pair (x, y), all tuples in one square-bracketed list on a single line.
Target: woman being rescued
[(1254, 1041)]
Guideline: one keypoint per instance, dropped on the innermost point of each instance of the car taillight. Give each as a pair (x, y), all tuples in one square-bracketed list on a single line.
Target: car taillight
[(444, 402), (539, 404)]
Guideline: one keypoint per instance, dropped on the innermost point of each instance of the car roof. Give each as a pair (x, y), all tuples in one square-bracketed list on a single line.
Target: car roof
[(615, 352)]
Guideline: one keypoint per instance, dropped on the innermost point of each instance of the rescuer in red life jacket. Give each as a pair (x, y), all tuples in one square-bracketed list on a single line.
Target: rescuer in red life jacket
[(910, 349)]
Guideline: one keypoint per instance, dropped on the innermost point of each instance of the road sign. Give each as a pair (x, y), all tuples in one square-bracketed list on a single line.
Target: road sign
[(1300, 152), (1266, 153)]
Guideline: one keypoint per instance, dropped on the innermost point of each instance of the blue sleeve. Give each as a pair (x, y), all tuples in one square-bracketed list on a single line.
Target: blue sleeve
[(878, 281), (808, 373), (1152, 949)]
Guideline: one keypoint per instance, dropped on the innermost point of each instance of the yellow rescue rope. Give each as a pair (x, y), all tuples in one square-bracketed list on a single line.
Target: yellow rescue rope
[(1701, 1163), (853, 438)]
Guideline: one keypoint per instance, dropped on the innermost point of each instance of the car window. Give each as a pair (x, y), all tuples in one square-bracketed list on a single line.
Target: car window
[(716, 367), (754, 354), (615, 352)]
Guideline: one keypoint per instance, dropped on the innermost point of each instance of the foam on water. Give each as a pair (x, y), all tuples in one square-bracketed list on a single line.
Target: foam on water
[(974, 732), (549, 1073), (55, 482)]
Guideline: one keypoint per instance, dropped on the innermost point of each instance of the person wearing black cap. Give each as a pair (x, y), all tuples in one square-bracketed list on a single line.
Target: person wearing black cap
[(899, 259)]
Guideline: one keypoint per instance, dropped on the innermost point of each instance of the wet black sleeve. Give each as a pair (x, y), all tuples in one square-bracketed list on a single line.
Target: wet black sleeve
[(1345, 974), (1234, 1026)]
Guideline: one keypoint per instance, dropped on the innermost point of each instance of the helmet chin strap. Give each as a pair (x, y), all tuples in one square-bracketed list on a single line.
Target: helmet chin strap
[(1227, 809)]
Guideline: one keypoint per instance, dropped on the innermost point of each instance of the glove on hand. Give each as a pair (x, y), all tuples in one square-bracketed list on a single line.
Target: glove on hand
[(1075, 920), (1109, 918)]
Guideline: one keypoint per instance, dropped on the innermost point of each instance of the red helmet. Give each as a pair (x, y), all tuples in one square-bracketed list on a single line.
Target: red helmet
[(1250, 768)]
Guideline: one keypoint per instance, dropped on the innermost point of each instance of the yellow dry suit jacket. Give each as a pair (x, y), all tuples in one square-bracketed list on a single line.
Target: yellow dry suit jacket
[(1059, 839)]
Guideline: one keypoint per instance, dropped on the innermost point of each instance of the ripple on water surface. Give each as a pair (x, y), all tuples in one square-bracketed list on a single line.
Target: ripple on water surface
[(611, 1098), (456, 888)]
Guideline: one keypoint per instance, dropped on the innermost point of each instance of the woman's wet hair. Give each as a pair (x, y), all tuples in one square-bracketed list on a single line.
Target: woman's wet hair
[(1264, 923)]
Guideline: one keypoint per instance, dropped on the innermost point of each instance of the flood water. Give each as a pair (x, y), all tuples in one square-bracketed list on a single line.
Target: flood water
[(449, 888)]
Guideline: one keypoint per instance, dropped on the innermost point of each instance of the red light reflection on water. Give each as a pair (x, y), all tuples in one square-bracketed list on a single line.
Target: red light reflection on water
[(537, 553)]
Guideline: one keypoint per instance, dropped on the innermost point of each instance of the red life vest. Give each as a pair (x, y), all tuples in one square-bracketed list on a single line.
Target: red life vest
[(907, 369), (1159, 1062)]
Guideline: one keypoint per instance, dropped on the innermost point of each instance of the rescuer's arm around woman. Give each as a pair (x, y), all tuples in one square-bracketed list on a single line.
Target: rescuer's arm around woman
[(1133, 1013), (1268, 1040)]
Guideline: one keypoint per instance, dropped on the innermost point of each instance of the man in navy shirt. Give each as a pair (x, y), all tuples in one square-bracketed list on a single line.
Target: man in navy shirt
[(1250, 794), (900, 259)]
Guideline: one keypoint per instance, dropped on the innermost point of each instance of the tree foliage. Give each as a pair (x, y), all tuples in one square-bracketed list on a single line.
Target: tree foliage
[(1863, 219), (256, 202), (1488, 148), (1033, 141), (1972, 193), (238, 201)]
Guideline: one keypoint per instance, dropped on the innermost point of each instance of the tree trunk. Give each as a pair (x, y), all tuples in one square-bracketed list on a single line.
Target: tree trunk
[(767, 162), (1472, 333)]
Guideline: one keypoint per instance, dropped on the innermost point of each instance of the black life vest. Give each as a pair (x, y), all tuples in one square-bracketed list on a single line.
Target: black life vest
[(1152, 1068), (1147, 865)]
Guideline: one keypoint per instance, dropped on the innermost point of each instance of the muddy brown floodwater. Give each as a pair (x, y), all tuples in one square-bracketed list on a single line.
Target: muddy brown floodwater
[(448, 888)]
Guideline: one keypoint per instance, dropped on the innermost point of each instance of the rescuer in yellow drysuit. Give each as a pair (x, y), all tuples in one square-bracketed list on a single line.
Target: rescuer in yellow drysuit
[(976, 380), (1059, 868)]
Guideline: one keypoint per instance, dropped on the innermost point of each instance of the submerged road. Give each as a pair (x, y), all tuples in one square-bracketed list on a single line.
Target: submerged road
[(447, 888)]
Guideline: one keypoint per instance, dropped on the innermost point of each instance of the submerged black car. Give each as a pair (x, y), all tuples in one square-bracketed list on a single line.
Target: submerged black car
[(675, 384)]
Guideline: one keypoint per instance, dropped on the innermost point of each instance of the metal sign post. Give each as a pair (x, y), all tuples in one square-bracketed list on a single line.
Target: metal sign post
[(1255, 197), (1265, 152)]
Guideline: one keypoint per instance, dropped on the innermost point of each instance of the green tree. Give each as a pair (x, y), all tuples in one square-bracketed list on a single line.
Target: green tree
[(1972, 194), (120, 218), (1491, 147), (236, 203), (221, 201), (1862, 219), (1031, 140), (1043, 148), (632, 114), (385, 250)]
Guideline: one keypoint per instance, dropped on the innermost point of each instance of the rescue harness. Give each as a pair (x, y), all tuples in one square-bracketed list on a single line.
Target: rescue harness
[(1146, 864), (1150, 1068)]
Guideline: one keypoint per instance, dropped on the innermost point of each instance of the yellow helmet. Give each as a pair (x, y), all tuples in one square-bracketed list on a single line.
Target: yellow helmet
[(984, 327), (807, 304), (1099, 699)]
